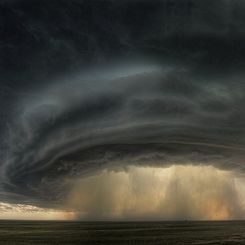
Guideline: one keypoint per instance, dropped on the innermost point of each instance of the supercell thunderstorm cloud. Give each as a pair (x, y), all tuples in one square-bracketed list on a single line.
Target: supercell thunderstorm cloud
[(96, 93)]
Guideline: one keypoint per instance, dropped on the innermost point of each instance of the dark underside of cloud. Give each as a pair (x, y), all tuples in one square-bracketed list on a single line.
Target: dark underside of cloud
[(89, 85)]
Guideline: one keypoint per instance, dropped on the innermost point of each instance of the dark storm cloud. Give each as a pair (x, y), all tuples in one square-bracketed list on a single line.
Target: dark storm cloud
[(141, 119), (174, 94), (39, 38)]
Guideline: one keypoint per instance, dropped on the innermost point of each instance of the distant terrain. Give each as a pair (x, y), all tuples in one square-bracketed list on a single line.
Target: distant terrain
[(185, 232)]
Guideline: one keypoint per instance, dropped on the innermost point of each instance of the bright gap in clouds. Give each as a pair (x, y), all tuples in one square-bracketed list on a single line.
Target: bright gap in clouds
[(29, 212), (146, 193)]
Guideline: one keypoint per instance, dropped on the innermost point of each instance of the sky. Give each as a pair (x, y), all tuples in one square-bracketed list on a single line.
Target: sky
[(122, 110)]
